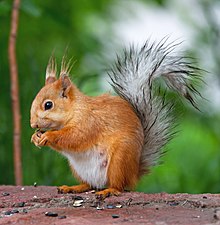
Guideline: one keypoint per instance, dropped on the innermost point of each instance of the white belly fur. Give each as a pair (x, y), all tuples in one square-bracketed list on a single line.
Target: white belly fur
[(91, 166)]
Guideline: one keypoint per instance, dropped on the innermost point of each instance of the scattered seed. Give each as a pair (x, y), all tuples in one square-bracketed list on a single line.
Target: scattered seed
[(35, 184), (196, 217), (129, 201), (51, 214), (118, 206), (114, 216), (185, 202), (77, 203), (62, 217), (5, 194)]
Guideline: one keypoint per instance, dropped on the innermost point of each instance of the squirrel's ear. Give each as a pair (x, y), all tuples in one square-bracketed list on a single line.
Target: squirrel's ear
[(51, 71), (66, 85)]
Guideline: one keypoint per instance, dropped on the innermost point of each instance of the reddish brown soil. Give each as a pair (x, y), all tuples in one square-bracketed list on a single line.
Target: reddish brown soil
[(31, 203)]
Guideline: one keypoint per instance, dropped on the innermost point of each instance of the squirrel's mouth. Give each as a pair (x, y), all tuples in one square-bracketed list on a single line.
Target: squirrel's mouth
[(42, 130), (43, 127)]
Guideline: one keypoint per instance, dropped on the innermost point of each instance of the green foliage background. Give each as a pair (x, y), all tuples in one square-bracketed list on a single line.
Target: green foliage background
[(192, 163)]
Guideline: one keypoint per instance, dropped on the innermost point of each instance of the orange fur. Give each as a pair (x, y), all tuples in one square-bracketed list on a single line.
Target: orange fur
[(73, 189), (78, 123)]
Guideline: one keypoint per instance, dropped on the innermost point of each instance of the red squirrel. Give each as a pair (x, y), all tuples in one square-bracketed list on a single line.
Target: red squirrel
[(111, 141)]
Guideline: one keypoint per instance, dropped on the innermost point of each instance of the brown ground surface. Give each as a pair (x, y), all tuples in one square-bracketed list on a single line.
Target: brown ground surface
[(28, 205)]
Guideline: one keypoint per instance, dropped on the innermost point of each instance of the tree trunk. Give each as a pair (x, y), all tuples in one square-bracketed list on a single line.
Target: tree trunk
[(15, 93)]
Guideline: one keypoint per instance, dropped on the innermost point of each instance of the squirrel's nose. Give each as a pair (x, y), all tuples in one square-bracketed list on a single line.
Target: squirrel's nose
[(34, 125)]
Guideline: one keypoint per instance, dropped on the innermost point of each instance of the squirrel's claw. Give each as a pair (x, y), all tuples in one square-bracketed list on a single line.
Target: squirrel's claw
[(101, 195), (39, 139)]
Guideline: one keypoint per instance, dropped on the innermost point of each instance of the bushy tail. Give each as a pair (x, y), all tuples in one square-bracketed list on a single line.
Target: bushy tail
[(132, 78)]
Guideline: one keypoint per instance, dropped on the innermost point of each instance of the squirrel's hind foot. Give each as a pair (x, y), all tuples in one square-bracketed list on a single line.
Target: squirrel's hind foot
[(73, 189), (106, 193)]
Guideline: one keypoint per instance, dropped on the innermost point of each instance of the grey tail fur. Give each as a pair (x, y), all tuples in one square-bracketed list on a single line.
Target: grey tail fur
[(132, 78)]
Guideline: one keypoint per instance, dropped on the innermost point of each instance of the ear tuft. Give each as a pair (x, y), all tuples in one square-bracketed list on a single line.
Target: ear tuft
[(51, 71), (66, 66)]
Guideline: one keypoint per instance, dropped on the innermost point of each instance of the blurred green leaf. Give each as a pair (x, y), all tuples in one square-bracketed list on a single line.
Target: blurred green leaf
[(30, 8), (5, 8)]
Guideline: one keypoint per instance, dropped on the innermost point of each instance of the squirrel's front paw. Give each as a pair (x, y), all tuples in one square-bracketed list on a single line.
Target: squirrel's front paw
[(39, 139)]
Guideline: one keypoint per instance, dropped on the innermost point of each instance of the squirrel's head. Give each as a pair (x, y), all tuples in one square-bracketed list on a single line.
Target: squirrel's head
[(50, 107)]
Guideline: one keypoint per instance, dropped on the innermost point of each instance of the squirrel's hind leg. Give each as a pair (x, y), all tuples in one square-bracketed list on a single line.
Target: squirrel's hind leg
[(73, 189), (123, 170)]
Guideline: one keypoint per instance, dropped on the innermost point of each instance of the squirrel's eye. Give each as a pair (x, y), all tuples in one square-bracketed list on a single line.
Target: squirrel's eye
[(48, 105)]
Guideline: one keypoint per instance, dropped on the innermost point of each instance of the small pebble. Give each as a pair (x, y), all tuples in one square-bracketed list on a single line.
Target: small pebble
[(203, 205), (8, 213), (22, 189), (35, 184), (5, 194), (62, 217), (51, 214), (204, 197), (114, 216), (24, 211), (14, 211), (78, 198), (174, 203), (217, 214), (35, 197), (110, 207), (20, 204), (99, 208)]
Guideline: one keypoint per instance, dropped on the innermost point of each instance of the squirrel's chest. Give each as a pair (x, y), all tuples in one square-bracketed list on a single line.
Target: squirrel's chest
[(91, 166)]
